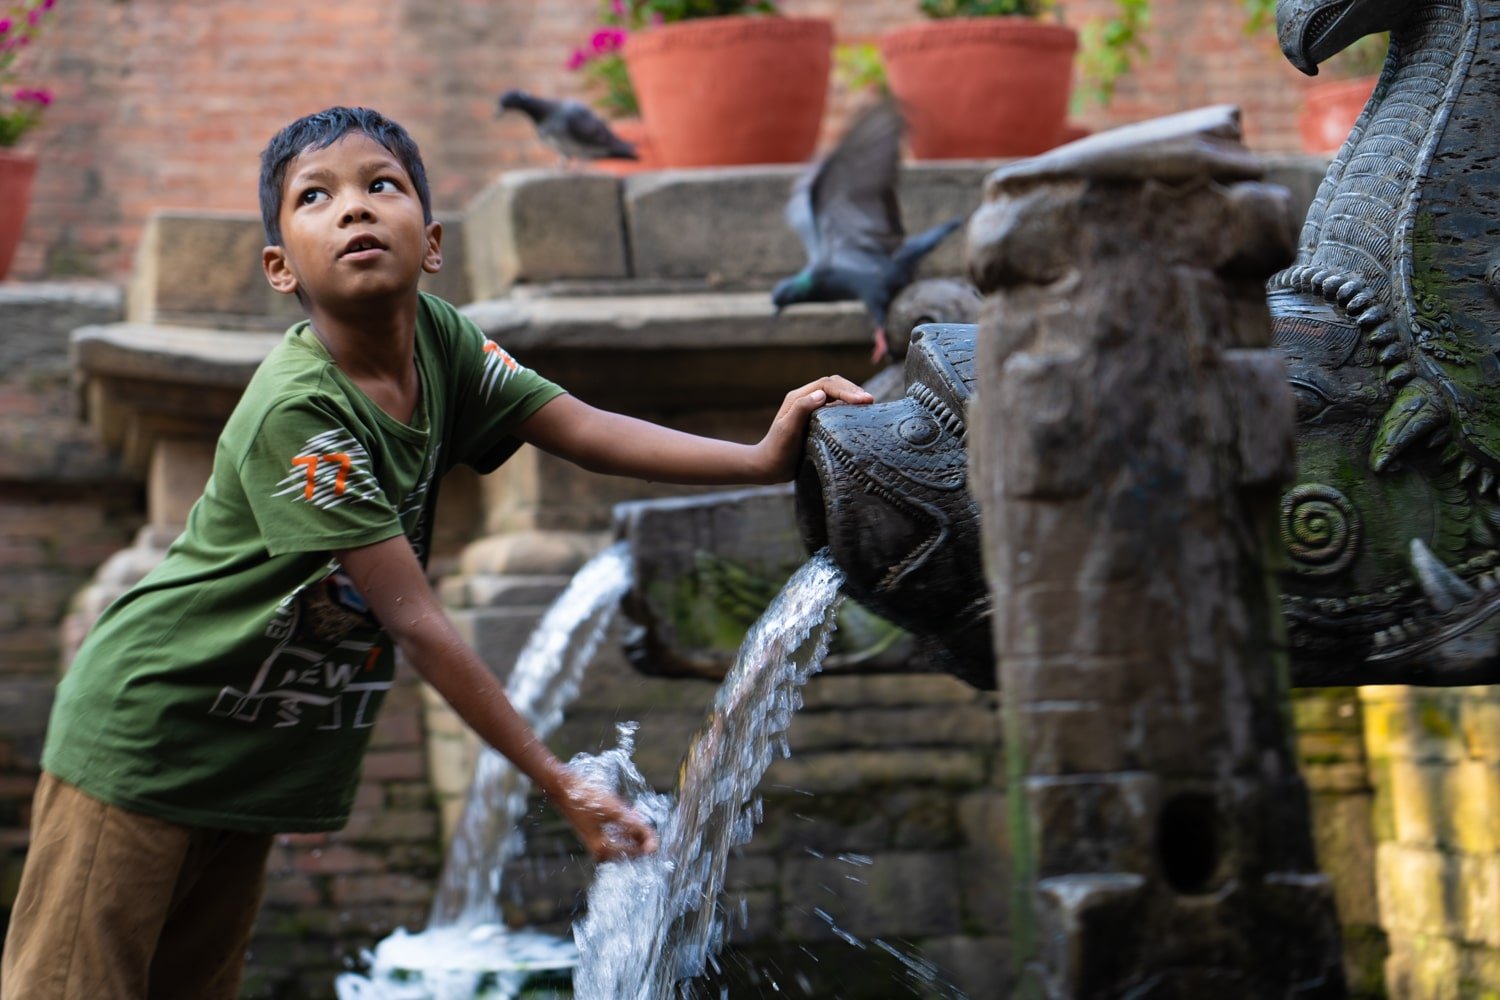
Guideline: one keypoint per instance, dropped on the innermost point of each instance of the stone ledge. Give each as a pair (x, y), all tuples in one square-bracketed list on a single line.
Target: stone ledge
[(177, 354), (143, 381), (652, 322)]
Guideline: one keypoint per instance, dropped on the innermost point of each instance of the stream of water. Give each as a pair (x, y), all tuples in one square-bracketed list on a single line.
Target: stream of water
[(656, 923), (466, 951)]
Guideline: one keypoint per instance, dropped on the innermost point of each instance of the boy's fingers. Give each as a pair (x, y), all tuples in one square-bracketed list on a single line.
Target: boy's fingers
[(840, 388)]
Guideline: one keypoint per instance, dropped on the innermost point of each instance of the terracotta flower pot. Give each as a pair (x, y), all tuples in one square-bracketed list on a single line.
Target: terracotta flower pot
[(1329, 111), (16, 173), (725, 90), (983, 86)]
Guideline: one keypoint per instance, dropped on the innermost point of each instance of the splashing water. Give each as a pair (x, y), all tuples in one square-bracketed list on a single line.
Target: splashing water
[(466, 951), (655, 922)]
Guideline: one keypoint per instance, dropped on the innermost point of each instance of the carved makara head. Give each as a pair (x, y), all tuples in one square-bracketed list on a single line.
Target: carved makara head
[(885, 488)]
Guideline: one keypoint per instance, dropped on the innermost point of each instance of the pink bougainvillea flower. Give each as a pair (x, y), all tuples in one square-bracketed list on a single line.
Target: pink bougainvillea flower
[(607, 40), (577, 59), (4, 25)]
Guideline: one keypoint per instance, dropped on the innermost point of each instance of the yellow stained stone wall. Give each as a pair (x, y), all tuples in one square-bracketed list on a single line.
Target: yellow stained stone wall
[(1434, 758)]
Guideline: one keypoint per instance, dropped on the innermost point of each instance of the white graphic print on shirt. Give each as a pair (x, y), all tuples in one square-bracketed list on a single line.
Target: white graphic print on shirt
[(325, 636), (332, 469), (499, 366)]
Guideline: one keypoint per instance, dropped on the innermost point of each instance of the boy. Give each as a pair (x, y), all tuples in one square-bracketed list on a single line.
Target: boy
[(230, 694)]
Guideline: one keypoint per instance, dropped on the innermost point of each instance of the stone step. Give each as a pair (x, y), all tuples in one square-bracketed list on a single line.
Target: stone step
[(679, 230)]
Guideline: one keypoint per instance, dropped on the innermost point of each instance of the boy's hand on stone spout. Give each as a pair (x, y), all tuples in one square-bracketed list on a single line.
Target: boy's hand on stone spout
[(783, 442), (604, 822)]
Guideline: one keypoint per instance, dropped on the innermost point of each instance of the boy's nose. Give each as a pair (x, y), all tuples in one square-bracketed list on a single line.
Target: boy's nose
[(357, 209)]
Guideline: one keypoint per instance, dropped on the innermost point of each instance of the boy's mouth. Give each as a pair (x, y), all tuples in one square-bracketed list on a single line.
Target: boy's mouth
[(361, 248)]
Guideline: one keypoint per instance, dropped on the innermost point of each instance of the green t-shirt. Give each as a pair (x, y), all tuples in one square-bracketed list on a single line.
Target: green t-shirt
[(236, 685)]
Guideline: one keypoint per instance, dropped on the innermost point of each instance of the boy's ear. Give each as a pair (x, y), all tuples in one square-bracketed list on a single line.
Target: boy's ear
[(278, 272), (432, 260)]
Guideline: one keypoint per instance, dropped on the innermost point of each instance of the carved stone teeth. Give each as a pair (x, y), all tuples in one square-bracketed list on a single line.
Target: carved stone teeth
[(1319, 277), (1392, 353), (1348, 290), (1383, 334), (1382, 638), (1489, 581), (1444, 588), (1467, 469), (1360, 302), (1374, 316), (1401, 374), (1331, 285)]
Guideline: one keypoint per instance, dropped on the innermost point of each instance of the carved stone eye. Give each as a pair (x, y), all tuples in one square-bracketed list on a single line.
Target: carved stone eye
[(1492, 277), (919, 430)]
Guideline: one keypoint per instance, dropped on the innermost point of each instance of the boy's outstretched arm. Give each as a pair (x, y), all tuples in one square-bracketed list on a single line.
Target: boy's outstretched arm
[(614, 444), (393, 584)]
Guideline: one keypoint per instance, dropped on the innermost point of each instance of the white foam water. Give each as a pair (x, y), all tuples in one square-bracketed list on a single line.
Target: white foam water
[(656, 922), (466, 953)]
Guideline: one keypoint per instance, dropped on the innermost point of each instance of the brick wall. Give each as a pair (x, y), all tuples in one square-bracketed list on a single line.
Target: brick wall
[(166, 103)]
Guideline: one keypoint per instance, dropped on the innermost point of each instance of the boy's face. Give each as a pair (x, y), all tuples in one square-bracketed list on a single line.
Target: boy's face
[(351, 227)]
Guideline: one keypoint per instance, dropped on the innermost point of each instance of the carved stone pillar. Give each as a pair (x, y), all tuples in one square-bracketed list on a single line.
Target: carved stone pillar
[(1130, 434)]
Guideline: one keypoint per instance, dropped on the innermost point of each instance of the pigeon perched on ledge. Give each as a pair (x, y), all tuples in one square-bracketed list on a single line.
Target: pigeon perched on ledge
[(569, 127), (845, 211)]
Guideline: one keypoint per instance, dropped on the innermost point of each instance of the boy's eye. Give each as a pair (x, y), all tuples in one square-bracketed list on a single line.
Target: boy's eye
[(383, 184), (311, 195)]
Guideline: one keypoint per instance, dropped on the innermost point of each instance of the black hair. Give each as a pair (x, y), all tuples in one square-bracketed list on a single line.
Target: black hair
[(323, 129)]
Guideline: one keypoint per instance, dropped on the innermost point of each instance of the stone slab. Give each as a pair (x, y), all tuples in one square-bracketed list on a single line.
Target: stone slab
[(728, 225), (544, 225), (204, 269), (36, 318)]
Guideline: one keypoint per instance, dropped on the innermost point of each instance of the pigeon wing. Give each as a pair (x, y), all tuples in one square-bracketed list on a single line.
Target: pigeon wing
[(852, 195), (586, 130), (845, 205)]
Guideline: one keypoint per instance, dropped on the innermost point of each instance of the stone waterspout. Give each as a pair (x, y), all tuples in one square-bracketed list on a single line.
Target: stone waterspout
[(885, 488), (1130, 433)]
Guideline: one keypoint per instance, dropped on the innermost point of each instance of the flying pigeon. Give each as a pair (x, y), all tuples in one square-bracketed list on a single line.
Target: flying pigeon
[(569, 127), (845, 211)]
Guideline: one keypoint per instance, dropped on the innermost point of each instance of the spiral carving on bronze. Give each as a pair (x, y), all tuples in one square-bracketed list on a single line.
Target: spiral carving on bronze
[(1320, 529)]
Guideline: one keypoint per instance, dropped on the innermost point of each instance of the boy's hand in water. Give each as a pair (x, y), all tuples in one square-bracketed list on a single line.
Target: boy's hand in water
[(604, 822), (782, 445)]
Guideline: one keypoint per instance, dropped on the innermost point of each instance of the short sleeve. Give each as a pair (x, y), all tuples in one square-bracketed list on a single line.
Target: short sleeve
[(494, 394), (310, 482)]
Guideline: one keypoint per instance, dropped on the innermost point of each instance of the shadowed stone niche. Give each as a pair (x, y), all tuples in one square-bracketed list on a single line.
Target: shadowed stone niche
[(1129, 436)]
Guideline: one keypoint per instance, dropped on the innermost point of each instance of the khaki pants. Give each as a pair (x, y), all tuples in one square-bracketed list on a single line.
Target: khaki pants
[(114, 905)]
